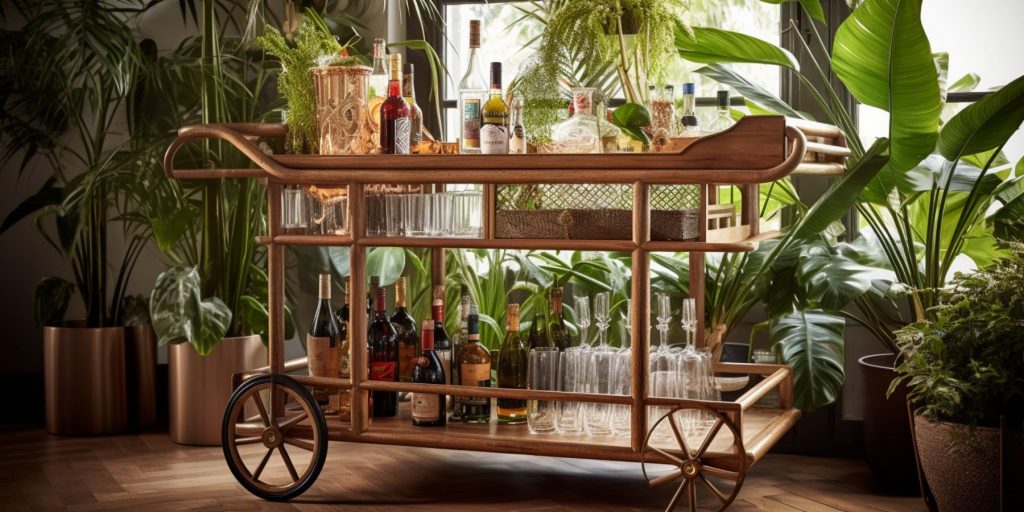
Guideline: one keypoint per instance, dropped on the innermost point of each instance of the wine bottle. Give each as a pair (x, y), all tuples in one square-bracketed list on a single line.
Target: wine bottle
[(394, 113), (472, 89), (416, 113), (458, 341), (517, 137), (383, 349), (371, 292), (322, 343), (442, 345), (405, 329), (475, 370), (428, 409), (558, 334), (344, 348), (494, 129), (512, 361)]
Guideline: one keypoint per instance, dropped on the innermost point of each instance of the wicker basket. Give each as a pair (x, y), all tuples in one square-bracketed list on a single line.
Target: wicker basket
[(593, 212)]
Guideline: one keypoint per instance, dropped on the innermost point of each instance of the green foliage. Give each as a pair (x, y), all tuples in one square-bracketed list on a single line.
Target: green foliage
[(180, 314), (631, 118), (50, 301), (966, 363), (295, 82), (811, 342)]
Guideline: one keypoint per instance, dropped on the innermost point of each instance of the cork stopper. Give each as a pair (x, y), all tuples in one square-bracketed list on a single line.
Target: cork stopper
[(400, 292), (512, 318), (325, 286), (474, 33), (378, 48)]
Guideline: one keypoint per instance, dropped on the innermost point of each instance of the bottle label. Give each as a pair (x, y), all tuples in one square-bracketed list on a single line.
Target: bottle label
[(471, 123), (478, 375), (323, 358), (344, 360), (380, 370), (426, 407), (494, 139), (406, 360), (403, 129)]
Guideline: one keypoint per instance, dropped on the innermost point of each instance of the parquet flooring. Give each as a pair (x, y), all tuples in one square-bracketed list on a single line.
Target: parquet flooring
[(147, 472)]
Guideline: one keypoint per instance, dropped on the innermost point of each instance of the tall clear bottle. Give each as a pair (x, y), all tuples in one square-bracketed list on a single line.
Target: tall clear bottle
[(395, 120), (494, 127), (472, 92), (688, 123), (416, 113), (579, 133), (475, 370), (722, 119), (513, 359), (405, 329), (458, 342), (378, 85)]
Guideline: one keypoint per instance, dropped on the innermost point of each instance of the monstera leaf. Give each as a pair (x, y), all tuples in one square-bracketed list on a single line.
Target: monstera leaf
[(811, 343), (179, 313)]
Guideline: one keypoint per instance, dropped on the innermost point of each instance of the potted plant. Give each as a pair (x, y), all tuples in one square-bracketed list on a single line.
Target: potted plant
[(63, 111), (964, 367)]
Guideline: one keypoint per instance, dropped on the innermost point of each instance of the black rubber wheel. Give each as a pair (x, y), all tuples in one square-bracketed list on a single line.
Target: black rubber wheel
[(302, 425)]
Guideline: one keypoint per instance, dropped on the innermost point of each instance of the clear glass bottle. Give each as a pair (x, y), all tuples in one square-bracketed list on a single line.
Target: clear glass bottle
[(688, 124), (722, 119), (579, 133), (662, 115), (416, 113), (494, 118), (472, 93), (379, 75), (611, 135), (512, 362), (517, 137)]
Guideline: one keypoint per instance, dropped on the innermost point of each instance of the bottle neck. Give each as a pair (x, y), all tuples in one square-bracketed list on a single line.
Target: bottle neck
[(428, 340), (472, 64), (379, 305), (394, 88), (437, 311), (407, 88)]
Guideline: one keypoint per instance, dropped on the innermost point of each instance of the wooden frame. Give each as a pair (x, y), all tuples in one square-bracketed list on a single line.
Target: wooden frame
[(755, 150)]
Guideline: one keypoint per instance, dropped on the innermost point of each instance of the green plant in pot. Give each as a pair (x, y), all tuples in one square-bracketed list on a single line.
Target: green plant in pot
[(964, 367)]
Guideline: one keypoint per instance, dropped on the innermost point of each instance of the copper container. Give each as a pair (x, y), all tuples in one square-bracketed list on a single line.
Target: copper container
[(200, 386), (84, 380), (140, 376), (342, 110)]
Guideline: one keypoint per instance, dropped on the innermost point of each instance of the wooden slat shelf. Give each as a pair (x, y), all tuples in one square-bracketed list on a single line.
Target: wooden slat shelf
[(315, 240)]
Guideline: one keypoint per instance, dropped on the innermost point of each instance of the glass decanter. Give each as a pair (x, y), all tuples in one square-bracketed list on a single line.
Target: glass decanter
[(580, 133)]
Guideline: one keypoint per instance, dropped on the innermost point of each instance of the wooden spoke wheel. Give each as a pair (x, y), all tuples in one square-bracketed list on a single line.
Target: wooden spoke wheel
[(272, 458), (694, 442)]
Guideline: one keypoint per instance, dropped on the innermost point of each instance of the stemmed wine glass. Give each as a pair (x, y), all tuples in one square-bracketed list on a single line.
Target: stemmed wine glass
[(663, 366), (597, 418)]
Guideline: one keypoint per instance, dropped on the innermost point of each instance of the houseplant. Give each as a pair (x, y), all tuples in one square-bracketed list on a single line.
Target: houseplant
[(964, 367)]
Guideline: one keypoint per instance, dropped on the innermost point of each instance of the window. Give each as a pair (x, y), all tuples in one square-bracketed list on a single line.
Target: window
[(506, 34)]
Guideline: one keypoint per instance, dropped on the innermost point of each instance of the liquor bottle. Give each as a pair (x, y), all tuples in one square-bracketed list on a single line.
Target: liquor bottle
[(512, 360), (379, 75), (494, 129), (459, 340), (475, 370), (409, 91), (442, 345), (517, 139), (344, 348), (557, 332), (722, 119), (383, 349), (428, 409), (322, 343), (537, 337), (472, 89), (405, 329), (394, 113), (371, 292), (688, 116)]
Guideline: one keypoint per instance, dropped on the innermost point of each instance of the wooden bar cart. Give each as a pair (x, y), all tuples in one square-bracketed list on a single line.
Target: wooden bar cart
[(272, 409)]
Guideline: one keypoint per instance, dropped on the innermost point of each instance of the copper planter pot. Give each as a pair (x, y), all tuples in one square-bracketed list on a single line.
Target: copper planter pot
[(85, 380), (201, 385), (140, 376)]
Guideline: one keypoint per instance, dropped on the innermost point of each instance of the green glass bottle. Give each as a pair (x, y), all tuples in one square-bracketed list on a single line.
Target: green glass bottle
[(512, 360)]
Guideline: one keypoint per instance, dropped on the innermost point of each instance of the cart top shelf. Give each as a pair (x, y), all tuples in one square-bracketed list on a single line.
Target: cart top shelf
[(757, 149)]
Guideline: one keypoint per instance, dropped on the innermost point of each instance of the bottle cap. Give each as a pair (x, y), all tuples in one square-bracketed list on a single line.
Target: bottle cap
[(723, 99), (427, 330), (378, 48), (409, 68), (688, 88), (400, 292), (396, 65), (325, 286)]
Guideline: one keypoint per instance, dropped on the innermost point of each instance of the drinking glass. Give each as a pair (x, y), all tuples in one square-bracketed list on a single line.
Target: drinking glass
[(295, 215), (467, 219), (376, 215), (331, 215), (664, 384), (621, 376), (688, 319), (598, 416), (583, 318), (542, 373), (571, 378), (417, 215), (394, 214), (441, 223)]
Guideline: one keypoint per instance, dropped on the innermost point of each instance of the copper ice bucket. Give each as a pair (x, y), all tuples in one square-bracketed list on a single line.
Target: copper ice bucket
[(85, 380), (342, 110), (200, 386)]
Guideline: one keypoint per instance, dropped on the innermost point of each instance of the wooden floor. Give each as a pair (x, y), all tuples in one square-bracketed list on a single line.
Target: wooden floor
[(148, 472)]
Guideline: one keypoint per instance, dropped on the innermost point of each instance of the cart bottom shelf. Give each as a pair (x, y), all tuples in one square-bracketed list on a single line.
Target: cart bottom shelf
[(761, 428)]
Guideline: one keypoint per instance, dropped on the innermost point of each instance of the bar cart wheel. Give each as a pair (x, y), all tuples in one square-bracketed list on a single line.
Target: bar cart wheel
[(719, 473), (253, 437)]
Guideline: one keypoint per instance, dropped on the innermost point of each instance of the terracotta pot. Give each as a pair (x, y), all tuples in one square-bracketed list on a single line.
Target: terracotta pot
[(966, 476), (888, 445), (200, 386), (84, 380), (140, 376)]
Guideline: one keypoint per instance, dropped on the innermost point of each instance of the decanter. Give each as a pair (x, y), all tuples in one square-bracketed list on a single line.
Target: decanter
[(579, 133)]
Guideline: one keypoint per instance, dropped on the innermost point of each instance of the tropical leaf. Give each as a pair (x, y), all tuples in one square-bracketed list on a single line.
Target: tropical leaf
[(712, 46), (49, 194), (175, 304), (50, 301), (811, 343), (214, 320), (985, 124), (833, 281), (386, 263), (813, 7), (882, 55), (725, 75)]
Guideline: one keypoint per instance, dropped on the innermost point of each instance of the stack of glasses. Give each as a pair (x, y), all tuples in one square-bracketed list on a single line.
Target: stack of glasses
[(603, 369), (314, 210), (453, 214)]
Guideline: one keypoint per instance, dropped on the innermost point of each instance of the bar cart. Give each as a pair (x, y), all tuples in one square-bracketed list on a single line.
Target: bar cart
[(272, 409)]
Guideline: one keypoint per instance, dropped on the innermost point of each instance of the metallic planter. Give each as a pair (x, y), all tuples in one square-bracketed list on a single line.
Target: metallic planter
[(140, 376), (343, 111), (85, 380), (201, 385)]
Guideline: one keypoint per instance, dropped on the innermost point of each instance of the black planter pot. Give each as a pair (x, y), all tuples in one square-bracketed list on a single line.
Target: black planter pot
[(888, 445)]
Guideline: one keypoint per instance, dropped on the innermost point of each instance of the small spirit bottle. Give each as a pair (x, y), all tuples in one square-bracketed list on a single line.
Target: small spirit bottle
[(517, 139), (494, 129), (512, 361), (688, 115), (394, 113), (722, 118), (379, 75)]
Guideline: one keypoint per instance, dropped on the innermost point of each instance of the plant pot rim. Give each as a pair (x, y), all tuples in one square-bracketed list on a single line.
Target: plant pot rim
[(79, 325), (954, 424), (867, 361), (232, 339)]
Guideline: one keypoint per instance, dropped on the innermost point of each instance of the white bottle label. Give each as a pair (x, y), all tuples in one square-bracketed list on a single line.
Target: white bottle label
[(493, 139), (426, 407), (402, 134)]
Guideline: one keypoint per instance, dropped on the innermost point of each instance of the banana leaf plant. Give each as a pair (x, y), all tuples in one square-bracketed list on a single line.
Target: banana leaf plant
[(925, 204)]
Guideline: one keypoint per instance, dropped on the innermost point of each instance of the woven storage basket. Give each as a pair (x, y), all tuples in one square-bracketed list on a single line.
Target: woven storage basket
[(593, 212)]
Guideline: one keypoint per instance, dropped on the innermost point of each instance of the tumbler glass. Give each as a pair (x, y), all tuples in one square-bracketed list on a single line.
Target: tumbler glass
[(664, 384), (394, 214), (571, 378), (441, 211), (542, 373), (619, 383), (376, 215), (332, 215), (417, 215), (295, 210)]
